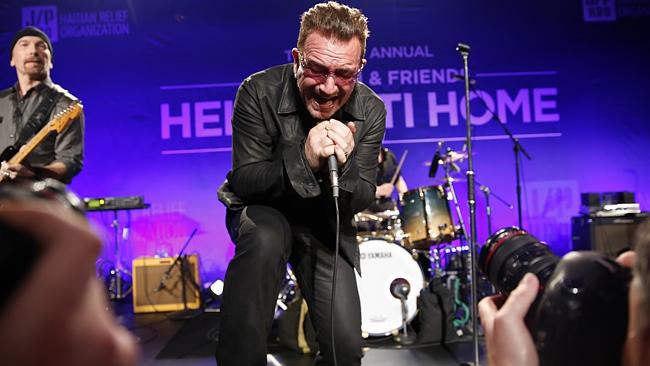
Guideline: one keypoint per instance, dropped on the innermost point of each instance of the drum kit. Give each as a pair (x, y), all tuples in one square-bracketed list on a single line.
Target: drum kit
[(401, 251)]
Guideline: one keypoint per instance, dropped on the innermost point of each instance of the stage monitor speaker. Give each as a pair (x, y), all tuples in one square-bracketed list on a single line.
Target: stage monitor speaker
[(155, 290), (607, 235)]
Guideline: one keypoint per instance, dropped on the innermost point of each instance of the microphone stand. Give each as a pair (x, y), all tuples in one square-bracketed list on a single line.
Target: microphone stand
[(488, 210), (181, 260), (463, 49), (400, 289), (517, 147)]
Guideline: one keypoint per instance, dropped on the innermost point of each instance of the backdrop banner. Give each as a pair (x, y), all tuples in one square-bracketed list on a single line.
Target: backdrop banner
[(568, 78)]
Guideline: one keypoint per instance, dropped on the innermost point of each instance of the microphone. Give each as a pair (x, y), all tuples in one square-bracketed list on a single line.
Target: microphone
[(433, 169), (400, 288), (332, 167), (463, 48)]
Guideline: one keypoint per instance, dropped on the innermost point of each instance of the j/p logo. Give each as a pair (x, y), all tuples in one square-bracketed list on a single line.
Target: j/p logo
[(44, 18)]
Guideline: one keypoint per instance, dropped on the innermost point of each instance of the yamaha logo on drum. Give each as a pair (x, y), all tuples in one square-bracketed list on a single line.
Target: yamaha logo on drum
[(375, 255)]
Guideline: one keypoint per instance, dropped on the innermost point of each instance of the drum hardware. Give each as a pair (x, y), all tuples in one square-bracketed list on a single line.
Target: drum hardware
[(428, 261), (366, 216), (288, 294), (435, 264)]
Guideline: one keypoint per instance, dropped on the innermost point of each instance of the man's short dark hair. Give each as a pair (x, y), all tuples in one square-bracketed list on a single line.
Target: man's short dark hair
[(334, 20)]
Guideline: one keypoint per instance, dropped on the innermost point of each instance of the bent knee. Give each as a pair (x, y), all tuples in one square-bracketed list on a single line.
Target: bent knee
[(264, 230)]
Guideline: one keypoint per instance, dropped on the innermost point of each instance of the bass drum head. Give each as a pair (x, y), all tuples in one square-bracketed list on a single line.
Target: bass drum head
[(383, 262)]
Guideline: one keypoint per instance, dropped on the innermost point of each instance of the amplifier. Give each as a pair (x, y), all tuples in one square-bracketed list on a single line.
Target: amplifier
[(607, 235), (155, 290)]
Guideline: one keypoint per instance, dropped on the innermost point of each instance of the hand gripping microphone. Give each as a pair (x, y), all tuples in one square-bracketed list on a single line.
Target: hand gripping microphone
[(332, 167), (332, 163)]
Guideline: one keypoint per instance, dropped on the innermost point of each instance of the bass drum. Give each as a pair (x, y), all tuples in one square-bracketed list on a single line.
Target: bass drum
[(384, 265)]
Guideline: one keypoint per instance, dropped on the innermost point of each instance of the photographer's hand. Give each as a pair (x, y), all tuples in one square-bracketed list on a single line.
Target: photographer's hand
[(60, 314), (626, 259), (507, 338)]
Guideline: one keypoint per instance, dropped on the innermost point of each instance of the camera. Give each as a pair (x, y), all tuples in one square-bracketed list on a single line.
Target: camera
[(580, 314), (19, 250)]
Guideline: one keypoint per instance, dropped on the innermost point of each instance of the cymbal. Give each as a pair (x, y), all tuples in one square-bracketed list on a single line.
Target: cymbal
[(453, 156), (450, 157), (442, 181)]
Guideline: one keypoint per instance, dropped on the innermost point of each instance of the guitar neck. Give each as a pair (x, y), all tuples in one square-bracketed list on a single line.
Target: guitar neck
[(31, 145)]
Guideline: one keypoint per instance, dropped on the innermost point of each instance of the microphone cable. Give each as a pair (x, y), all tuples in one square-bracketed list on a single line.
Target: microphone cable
[(332, 168), (336, 259)]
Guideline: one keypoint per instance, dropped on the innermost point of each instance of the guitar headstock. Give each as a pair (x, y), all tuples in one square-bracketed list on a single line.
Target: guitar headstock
[(63, 118)]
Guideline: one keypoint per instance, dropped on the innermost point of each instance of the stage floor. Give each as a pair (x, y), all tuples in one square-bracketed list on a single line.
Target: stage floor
[(165, 340)]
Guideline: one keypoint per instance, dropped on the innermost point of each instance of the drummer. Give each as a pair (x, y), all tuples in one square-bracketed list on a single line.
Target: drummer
[(384, 200), (385, 206)]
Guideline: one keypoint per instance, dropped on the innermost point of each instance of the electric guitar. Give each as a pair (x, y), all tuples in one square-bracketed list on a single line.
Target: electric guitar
[(16, 154)]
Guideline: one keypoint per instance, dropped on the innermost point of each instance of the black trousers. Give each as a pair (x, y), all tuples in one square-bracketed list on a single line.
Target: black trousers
[(264, 242)]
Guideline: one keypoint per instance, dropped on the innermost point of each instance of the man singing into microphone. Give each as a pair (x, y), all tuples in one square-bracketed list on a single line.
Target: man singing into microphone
[(287, 121)]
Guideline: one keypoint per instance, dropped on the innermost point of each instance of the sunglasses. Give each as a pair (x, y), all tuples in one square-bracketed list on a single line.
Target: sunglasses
[(320, 73)]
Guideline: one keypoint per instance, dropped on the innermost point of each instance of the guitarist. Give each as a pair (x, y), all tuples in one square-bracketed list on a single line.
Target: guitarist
[(28, 105)]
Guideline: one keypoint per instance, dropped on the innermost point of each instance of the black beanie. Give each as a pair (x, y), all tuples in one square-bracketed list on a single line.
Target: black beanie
[(30, 31)]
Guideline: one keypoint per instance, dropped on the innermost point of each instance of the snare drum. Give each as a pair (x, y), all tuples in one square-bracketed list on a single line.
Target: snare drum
[(383, 264), (426, 218), (385, 224)]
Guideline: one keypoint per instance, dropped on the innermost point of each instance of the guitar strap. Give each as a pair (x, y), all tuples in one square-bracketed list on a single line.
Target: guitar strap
[(40, 117)]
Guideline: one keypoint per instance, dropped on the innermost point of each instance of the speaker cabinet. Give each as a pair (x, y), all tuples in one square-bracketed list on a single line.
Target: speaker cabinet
[(607, 235), (157, 288)]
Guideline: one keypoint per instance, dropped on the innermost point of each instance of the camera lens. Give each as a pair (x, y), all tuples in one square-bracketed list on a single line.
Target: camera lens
[(510, 253), (580, 314)]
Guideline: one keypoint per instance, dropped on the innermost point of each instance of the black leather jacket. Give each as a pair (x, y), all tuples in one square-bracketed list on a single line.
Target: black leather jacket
[(270, 124)]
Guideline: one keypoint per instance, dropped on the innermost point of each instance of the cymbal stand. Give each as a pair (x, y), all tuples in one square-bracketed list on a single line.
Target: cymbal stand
[(449, 183)]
